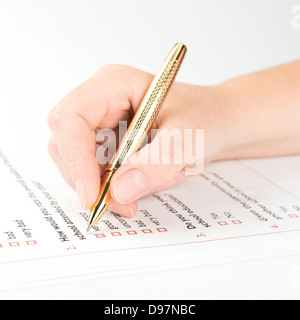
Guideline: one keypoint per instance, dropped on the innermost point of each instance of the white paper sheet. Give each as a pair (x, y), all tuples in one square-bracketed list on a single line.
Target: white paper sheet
[(235, 210)]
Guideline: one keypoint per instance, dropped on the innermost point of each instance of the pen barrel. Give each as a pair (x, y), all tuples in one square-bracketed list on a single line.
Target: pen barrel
[(139, 126), (149, 107)]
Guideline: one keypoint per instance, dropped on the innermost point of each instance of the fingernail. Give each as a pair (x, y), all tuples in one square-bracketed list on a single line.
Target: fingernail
[(80, 189), (130, 185)]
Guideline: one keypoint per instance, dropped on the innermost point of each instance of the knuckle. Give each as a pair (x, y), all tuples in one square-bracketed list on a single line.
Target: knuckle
[(53, 150), (73, 158), (76, 159), (55, 117)]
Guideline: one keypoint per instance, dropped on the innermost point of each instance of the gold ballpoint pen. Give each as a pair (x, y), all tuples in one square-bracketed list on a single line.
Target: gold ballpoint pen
[(139, 127)]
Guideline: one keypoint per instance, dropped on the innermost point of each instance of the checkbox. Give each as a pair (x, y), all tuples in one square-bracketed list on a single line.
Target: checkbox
[(14, 244), (100, 235), (132, 232), (161, 229), (31, 242), (293, 216), (116, 234), (223, 223), (147, 231), (236, 221)]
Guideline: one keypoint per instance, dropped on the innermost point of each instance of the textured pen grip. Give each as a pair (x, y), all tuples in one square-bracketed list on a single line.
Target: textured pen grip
[(151, 109), (148, 110), (157, 96)]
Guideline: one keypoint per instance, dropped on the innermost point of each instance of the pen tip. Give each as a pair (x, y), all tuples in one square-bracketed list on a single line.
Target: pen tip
[(88, 229)]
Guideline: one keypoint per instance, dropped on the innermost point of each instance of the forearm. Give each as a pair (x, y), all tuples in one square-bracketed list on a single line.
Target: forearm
[(262, 113)]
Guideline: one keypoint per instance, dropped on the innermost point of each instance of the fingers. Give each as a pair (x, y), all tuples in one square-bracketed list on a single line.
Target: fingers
[(179, 178), (61, 165), (110, 96), (100, 102), (154, 168), (127, 211), (76, 147)]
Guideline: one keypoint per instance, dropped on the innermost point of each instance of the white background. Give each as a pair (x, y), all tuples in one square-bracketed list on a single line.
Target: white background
[(49, 47)]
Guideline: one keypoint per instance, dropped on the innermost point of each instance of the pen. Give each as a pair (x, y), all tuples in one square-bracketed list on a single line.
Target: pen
[(139, 127)]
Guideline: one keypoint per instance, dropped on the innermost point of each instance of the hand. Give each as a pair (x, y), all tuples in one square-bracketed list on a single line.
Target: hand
[(114, 94)]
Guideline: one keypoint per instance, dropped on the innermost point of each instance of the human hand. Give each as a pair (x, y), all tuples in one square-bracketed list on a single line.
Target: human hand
[(113, 94)]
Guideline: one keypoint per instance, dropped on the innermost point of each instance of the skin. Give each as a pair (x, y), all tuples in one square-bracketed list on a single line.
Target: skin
[(255, 115)]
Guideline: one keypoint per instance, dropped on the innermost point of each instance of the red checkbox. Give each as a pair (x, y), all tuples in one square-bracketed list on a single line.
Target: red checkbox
[(14, 244), (237, 222), (31, 242), (161, 229), (293, 216), (223, 223), (1, 246), (116, 234), (100, 235), (147, 231), (132, 232)]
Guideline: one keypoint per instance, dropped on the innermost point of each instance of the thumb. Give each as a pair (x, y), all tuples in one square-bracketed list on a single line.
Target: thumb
[(156, 167)]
